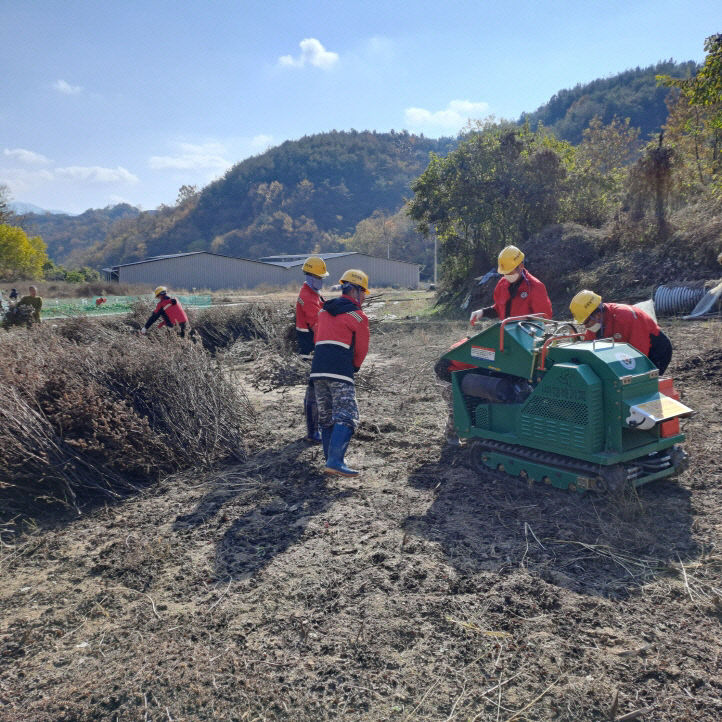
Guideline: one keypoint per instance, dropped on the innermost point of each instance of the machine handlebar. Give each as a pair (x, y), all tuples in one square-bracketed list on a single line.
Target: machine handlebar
[(535, 316)]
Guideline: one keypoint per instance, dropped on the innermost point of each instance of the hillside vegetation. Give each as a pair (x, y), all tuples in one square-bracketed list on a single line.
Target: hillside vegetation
[(638, 214), (581, 159), (290, 199), (633, 94), (66, 236)]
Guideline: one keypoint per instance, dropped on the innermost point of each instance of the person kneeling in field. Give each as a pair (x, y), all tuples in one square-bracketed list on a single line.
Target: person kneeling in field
[(622, 323), (170, 310), (342, 341)]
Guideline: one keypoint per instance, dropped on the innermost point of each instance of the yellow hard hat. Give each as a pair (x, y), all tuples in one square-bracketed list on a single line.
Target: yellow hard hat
[(509, 258), (358, 278), (159, 290), (315, 266), (584, 304)]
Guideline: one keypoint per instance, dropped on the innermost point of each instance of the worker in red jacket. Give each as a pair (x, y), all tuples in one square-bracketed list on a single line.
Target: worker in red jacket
[(342, 342), (517, 293), (169, 310), (308, 304), (622, 323)]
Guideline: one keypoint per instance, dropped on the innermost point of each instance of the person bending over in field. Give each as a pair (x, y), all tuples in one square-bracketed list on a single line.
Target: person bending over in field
[(34, 301), (170, 310), (622, 323)]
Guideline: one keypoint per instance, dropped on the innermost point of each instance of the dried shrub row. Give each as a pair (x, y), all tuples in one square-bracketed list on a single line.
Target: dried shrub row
[(92, 406), (219, 327)]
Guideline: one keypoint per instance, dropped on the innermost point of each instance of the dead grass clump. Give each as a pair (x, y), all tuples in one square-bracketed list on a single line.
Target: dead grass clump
[(80, 414), (697, 240)]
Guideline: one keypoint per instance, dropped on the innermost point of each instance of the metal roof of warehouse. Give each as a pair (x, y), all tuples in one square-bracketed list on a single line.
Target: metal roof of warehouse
[(289, 260), (189, 253)]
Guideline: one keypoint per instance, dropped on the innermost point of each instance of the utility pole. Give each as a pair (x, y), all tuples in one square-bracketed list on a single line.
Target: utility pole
[(435, 261)]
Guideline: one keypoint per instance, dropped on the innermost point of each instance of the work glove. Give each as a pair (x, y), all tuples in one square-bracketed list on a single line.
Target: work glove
[(173, 301), (143, 331), (476, 316)]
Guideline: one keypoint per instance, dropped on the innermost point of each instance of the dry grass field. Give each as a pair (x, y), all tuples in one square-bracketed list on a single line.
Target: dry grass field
[(262, 590)]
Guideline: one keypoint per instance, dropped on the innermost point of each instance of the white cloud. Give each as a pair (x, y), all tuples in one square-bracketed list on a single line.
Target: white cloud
[(453, 117), (22, 180), (192, 157), (312, 53), (26, 157), (66, 88), (96, 174)]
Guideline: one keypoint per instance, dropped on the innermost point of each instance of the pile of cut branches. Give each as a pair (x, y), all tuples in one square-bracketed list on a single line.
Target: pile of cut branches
[(81, 416)]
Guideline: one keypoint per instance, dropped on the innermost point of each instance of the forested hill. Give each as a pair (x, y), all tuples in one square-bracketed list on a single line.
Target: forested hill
[(286, 200), (633, 94)]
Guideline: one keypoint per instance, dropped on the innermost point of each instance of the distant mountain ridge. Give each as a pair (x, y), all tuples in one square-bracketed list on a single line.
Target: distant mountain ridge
[(68, 237), (287, 200), (23, 208)]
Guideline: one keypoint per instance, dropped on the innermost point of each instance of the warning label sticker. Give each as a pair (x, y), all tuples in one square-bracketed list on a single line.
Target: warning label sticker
[(485, 354)]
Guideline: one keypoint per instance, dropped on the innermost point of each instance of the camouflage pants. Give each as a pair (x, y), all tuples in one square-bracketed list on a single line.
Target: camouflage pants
[(336, 401)]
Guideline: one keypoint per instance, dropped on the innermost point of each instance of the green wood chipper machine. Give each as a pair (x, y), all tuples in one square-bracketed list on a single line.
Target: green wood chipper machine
[(543, 404)]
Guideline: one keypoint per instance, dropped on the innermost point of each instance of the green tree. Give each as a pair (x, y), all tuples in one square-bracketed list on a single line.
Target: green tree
[(704, 88), (20, 256), (500, 185), (694, 125)]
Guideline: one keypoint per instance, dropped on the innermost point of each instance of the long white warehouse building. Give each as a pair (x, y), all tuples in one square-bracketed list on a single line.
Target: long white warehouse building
[(212, 271)]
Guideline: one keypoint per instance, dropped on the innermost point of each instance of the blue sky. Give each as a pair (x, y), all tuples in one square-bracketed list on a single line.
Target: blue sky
[(107, 101)]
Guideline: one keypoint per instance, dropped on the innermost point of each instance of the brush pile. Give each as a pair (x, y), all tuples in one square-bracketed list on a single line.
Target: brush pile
[(92, 407)]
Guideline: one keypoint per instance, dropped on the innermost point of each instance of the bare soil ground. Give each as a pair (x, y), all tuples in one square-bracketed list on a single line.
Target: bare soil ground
[(419, 591)]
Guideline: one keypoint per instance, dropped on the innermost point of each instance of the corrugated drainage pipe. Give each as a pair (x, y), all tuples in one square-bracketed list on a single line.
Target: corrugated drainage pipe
[(676, 300)]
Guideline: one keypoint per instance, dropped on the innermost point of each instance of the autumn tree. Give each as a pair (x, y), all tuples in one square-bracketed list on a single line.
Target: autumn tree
[(393, 236), (187, 193), (21, 256), (598, 168)]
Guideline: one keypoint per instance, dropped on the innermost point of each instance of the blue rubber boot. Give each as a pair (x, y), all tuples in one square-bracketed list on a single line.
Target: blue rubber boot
[(338, 443), (325, 439), (313, 435)]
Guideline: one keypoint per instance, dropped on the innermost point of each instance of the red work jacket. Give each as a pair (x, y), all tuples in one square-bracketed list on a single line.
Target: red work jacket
[(628, 324), (530, 297), (173, 311), (342, 340)]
